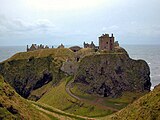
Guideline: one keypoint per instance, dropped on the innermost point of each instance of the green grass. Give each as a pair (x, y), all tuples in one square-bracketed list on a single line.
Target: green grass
[(50, 116), (117, 103), (75, 90), (58, 112), (58, 97), (61, 54), (40, 91), (145, 108)]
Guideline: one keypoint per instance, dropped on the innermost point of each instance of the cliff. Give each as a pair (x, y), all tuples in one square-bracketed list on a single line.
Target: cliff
[(111, 74), (28, 71), (14, 107), (102, 73)]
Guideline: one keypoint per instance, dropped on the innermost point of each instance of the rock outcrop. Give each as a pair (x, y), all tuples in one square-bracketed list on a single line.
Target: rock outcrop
[(26, 75), (110, 74)]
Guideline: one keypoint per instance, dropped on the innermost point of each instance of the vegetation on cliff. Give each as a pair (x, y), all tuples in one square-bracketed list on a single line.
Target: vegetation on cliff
[(103, 82), (145, 108), (29, 71), (12, 106), (109, 75)]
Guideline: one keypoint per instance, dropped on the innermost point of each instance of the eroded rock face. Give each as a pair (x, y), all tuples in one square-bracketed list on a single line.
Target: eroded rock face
[(112, 74), (69, 67), (29, 74)]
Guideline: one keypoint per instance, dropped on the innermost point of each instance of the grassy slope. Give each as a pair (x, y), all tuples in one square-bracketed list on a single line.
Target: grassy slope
[(40, 91), (145, 108), (61, 54), (117, 103), (12, 106), (58, 98)]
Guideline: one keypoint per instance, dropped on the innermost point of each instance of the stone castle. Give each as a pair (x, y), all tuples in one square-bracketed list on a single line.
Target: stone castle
[(105, 43), (36, 47)]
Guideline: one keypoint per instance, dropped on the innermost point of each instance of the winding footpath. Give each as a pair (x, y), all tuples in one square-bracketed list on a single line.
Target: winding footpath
[(96, 103), (61, 115)]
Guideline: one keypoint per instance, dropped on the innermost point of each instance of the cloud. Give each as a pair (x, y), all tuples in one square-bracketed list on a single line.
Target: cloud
[(63, 5), (110, 29), (21, 26), (145, 30)]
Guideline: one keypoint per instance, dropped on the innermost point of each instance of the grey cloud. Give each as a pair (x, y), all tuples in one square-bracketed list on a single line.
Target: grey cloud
[(20, 26)]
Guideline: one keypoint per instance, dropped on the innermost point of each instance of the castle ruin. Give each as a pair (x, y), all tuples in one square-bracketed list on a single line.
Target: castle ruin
[(36, 47), (87, 45), (105, 43)]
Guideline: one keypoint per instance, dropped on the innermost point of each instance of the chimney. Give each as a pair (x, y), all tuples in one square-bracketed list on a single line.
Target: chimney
[(112, 34)]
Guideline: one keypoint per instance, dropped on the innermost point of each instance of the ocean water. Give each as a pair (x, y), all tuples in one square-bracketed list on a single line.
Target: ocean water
[(7, 51), (149, 53)]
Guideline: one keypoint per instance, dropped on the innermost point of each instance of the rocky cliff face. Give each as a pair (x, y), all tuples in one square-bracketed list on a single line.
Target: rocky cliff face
[(111, 74), (26, 75)]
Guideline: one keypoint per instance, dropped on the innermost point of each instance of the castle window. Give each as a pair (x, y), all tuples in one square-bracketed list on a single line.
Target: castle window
[(107, 42), (78, 59)]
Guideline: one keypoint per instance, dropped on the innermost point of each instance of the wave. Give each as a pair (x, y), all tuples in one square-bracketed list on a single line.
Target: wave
[(152, 88), (155, 75)]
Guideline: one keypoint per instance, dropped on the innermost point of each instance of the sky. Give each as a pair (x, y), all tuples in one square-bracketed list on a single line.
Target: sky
[(71, 22)]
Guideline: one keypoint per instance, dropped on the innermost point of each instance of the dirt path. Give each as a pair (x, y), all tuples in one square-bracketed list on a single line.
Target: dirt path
[(96, 102), (59, 116)]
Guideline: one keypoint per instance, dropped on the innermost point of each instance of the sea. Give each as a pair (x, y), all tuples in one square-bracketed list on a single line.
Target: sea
[(149, 53)]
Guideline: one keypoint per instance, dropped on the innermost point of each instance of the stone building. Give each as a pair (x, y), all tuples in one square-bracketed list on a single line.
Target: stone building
[(61, 46), (92, 45), (87, 45), (36, 47), (116, 44), (106, 42), (75, 48)]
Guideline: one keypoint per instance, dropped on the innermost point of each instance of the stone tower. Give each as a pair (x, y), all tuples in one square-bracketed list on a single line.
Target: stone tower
[(106, 42)]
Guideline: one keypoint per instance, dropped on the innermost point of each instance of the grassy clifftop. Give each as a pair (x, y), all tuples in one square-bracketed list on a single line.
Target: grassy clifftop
[(61, 54)]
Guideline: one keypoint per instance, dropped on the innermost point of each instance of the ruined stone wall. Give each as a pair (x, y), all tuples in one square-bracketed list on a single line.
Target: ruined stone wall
[(106, 42)]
